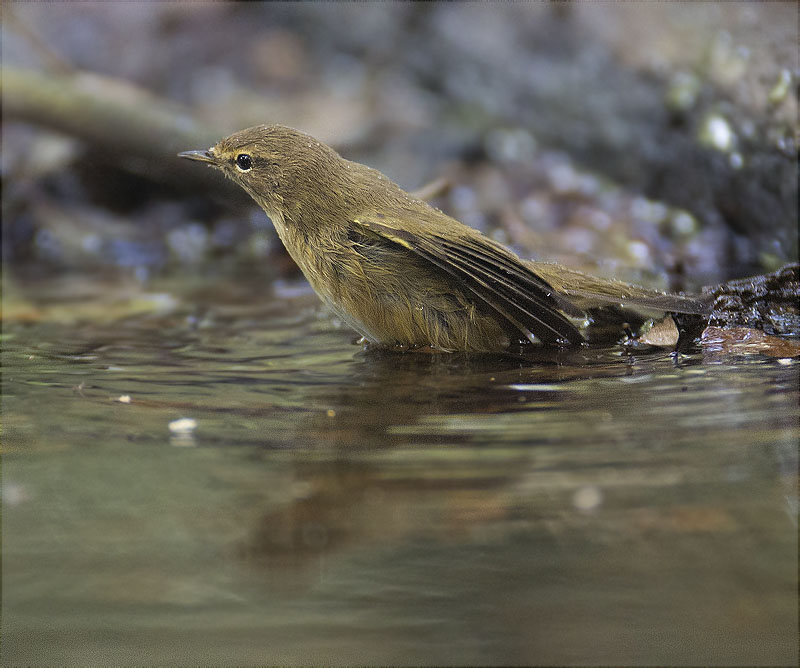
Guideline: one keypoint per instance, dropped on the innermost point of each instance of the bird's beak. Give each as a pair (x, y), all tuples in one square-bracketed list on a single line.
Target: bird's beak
[(200, 156)]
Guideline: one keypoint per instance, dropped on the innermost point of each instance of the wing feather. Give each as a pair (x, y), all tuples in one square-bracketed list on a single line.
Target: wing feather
[(524, 301)]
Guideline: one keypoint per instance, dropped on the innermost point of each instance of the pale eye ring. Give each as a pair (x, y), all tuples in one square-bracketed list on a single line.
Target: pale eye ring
[(244, 162)]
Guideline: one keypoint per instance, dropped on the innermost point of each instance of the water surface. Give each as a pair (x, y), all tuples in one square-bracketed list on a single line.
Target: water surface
[(332, 505)]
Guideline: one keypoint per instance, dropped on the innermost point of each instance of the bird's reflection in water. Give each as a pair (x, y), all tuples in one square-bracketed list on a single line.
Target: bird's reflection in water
[(398, 452)]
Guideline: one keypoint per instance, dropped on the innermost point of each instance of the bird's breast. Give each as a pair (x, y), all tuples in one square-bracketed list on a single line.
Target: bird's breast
[(390, 296)]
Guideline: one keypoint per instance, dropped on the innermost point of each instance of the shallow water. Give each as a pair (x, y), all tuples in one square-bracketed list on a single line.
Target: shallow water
[(335, 505)]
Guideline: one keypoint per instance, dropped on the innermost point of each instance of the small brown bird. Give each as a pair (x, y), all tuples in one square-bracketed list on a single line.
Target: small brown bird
[(400, 272)]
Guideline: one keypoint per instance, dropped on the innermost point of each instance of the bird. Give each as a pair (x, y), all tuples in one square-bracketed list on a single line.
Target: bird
[(402, 273)]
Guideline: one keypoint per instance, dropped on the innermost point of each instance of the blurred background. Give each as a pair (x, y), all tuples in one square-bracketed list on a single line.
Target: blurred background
[(655, 142), (199, 468)]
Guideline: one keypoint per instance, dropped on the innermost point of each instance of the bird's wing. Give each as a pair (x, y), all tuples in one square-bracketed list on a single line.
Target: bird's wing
[(495, 277)]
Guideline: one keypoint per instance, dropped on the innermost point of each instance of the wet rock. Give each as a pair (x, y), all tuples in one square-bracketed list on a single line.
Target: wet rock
[(770, 303)]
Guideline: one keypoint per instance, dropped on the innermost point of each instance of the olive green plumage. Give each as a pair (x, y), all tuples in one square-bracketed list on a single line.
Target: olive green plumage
[(399, 271)]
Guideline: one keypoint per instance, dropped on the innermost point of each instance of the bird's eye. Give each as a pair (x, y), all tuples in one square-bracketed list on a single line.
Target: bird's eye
[(244, 162)]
